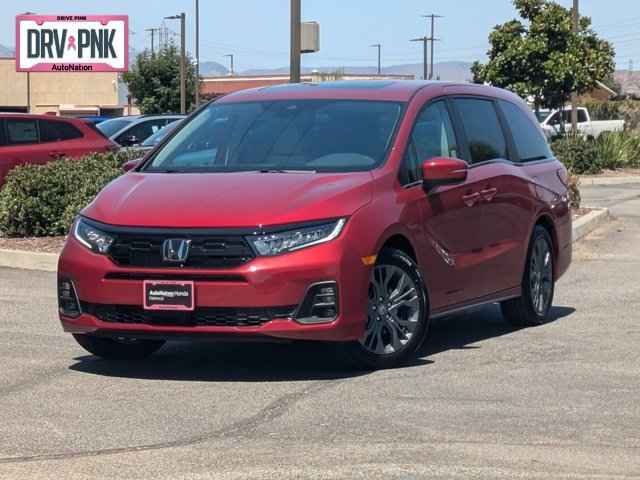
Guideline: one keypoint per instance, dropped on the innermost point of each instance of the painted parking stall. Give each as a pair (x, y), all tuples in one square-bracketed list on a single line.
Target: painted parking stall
[(82, 43)]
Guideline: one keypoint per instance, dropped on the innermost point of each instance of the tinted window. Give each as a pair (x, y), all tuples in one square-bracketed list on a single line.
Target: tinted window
[(111, 127), (432, 136), (141, 131), (160, 135), (530, 143), (56, 131), (322, 135), (3, 138), (22, 131), (481, 124)]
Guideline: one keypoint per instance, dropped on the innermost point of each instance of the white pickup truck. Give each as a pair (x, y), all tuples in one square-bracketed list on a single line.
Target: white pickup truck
[(550, 123)]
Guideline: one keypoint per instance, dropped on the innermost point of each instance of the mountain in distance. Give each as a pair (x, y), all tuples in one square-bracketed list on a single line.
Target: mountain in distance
[(451, 71), (213, 69), (6, 51)]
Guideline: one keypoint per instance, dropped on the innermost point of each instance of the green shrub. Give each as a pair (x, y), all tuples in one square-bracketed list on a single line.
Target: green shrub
[(42, 200), (577, 153), (618, 150), (605, 110)]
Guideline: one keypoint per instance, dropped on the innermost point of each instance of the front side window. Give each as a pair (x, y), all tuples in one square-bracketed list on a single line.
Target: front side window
[(21, 132), (141, 131), (432, 136), (484, 133), (3, 138), (530, 143), (57, 131), (310, 135)]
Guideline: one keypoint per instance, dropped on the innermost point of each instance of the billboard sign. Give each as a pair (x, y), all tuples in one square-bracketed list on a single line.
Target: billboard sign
[(72, 43)]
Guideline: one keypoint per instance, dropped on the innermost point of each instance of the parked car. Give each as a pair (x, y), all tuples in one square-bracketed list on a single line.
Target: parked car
[(154, 139), (587, 127), (96, 119), (133, 130), (39, 139), (350, 212)]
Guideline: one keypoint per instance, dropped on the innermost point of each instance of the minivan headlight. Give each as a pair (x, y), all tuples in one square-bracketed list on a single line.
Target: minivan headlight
[(91, 237), (287, 241)]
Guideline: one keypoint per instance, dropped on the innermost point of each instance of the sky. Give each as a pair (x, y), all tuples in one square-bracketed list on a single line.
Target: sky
[(257, 31)]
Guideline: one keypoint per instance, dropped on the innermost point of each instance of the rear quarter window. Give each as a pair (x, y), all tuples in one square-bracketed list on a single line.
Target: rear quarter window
[(529, 141), (58, 131)]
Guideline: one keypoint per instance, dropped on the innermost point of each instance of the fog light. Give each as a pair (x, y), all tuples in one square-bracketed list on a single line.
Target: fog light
[(68, 304), (320, 304)]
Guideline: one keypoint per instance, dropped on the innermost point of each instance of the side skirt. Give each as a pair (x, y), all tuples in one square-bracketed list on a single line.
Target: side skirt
[(493, 298)]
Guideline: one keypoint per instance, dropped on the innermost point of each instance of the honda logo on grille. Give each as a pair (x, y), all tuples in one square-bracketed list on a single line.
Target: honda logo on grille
[(176, 250)]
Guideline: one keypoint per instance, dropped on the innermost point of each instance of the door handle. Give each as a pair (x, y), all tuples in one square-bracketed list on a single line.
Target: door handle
[(488, 193), (471, 199)]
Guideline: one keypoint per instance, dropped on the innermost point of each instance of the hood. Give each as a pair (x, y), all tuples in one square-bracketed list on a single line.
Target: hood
[(243, 199)]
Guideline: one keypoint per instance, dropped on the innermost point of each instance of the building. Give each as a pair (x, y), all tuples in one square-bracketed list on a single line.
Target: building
[(69, 93), (213, 87)]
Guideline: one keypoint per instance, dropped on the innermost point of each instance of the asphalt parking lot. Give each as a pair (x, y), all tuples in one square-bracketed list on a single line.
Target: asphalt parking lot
[(483, 401)]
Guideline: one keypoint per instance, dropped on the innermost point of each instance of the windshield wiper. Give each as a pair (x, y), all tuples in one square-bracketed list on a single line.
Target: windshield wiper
[(278, 170)]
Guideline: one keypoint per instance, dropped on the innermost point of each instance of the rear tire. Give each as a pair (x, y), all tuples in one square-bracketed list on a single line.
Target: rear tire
[(538, 284), (111, 349), (397, 319)]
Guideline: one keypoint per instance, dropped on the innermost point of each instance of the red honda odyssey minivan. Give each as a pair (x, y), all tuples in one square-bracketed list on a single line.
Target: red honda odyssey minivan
[(350, 212)]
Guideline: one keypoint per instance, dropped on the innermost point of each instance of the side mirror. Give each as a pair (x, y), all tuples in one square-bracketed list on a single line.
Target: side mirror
[(443, 171), (130, 165)]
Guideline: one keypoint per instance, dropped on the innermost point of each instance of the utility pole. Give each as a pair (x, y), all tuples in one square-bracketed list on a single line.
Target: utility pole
[(379, 47), (296, 20), (432, 39), (231, 71), (197, 53), (153, 38), (575, 14), (424, 40), (183, 61), (29, 77)]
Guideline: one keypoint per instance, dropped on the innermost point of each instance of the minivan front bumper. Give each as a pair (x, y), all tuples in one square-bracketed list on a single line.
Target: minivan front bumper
[(267, 292)]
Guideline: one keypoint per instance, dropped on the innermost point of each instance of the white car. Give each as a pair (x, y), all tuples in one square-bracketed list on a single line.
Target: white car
[(587, 127), (133, 130)]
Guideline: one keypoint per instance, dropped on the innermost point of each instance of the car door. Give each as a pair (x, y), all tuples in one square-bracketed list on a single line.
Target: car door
[(61, 139), (490, 187), (22, 144), (448, 212)]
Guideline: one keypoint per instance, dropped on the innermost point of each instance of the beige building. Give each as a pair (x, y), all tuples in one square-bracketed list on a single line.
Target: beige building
[(65, 93)]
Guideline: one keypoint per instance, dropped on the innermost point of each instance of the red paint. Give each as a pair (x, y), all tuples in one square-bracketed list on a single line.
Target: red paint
[(40, 153), (470, 248)]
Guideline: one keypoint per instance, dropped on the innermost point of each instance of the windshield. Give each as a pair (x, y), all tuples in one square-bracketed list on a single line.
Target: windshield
[(310, 135), (157, 137), (542, 115), (110, 127)]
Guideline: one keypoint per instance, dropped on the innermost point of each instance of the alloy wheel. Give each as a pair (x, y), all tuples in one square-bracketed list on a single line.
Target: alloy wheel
[(394, 311), (541, 275)]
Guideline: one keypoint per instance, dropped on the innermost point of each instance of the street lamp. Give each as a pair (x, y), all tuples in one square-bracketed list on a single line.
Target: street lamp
[(29, 77), (197, 53), (379, 47), (294, 62), (230, 56), (183, 61)]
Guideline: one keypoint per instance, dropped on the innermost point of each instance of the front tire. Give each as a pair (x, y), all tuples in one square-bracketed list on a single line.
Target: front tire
[(538, 285), (111, 349), (397, 314)]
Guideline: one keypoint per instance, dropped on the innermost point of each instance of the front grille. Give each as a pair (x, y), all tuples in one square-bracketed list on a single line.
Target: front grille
[(145, 250), (203, 316)]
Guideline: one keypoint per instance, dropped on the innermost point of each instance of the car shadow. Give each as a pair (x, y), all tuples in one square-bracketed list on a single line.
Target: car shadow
[(295, 361)]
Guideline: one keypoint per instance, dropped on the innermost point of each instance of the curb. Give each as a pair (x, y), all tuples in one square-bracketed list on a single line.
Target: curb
[(589, 222), (47, 262), (589, 180)]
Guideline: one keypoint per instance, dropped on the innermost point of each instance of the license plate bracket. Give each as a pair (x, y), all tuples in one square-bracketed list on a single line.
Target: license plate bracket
[(169, 295)]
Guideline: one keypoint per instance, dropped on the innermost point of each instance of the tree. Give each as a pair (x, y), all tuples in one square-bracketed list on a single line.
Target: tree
[(154, 81), (540, 57)]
